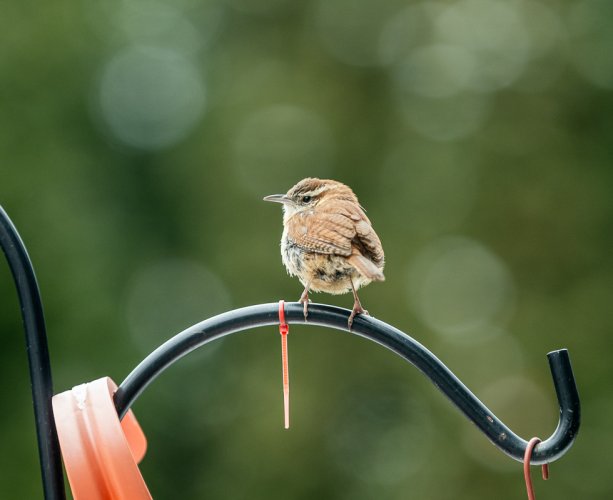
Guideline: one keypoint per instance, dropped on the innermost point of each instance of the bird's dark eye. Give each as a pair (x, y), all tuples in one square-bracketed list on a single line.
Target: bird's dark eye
[(306, 199)]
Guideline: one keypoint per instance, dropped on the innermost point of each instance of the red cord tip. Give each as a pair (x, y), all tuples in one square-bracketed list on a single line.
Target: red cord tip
[(527, 458)]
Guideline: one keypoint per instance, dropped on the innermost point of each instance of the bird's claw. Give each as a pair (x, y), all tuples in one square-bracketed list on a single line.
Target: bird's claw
[(304, 300), (357, 309)]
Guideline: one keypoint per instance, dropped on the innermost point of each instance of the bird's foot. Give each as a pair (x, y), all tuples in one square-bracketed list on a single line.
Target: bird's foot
[(304, 300), (357, 309)]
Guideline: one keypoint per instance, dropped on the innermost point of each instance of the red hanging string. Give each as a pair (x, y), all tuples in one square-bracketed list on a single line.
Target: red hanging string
[(284, 330), (527, 457)]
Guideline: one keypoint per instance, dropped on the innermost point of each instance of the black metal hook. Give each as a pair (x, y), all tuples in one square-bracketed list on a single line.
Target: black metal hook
[(260, 315), (38, 357), (392, 338)]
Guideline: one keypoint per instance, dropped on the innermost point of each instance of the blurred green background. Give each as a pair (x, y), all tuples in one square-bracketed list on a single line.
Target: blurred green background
[(137, 139)]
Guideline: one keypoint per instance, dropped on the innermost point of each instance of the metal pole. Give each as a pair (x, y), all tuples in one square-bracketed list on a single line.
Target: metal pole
[(38, 357), (267, 314)]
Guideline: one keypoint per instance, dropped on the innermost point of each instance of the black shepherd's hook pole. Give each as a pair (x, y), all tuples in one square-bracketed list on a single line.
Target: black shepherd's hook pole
[(260, 315), (267, 314), (38, 357)]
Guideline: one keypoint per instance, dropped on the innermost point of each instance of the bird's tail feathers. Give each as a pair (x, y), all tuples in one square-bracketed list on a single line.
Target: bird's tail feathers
[(366, 267)]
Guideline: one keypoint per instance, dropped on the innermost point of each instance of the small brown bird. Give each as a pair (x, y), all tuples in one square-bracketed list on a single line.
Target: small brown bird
[(328, 242)]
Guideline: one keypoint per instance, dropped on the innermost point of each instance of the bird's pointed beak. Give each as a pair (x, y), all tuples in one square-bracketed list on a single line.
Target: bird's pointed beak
[(278, 198)]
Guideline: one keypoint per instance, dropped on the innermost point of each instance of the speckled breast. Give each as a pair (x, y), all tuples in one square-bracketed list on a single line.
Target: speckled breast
[(321, 272)]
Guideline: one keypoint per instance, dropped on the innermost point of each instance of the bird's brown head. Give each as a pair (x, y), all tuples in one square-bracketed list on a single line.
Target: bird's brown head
[(310, 192)]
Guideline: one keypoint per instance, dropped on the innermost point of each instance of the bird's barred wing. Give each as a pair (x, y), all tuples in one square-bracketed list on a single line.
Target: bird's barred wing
[(365, 241), (340, 232), (327, 233)]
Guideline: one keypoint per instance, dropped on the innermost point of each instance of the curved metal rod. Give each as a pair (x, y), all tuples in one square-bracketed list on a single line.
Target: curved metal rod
[(38, 357), (388, 336)]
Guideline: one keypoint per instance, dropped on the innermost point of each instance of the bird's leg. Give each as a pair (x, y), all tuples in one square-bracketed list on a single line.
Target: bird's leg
[(357, 305), (304, 300)]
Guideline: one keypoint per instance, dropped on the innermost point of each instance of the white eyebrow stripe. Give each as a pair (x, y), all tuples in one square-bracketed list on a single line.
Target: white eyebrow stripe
[(320, 190)]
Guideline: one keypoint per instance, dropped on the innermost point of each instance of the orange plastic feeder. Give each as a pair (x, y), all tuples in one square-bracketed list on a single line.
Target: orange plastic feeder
[(100, 453)]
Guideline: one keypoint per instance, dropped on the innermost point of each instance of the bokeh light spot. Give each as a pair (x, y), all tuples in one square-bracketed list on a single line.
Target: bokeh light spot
[(149, 97), (495, 34), (163, 24), (436, 70), (185, 26), (458, 287)]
